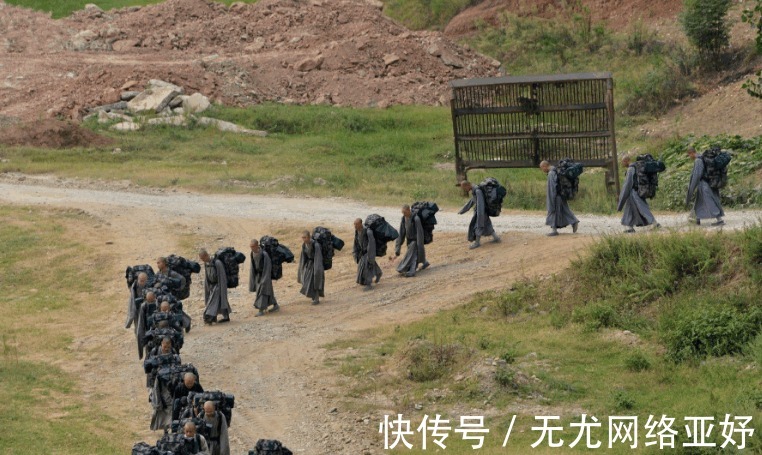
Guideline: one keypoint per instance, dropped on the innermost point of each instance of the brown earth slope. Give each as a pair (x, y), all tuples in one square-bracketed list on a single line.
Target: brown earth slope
[(329, 51)]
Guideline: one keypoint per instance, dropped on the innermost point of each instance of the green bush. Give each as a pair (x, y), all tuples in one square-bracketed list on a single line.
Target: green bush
[(710, 328), (637, 362), (658, 90), (623, 401), (428, 361), (506, 378), (705, 24), (596, 316)]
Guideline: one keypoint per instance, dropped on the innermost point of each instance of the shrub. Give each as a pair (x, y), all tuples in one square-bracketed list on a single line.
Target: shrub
[(705, 24), (637, 362), (623, 401), (428, 361), (710, 329), (596, 315), (658, 91), (506, 377)]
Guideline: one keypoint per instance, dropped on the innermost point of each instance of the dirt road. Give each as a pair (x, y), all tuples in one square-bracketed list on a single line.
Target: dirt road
[(275, 365)]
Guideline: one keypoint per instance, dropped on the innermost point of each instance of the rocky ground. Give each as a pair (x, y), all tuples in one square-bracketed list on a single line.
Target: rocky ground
[(341, 52)]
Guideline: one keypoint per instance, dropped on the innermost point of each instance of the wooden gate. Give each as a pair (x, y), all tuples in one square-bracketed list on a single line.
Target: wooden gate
[(514, 122)]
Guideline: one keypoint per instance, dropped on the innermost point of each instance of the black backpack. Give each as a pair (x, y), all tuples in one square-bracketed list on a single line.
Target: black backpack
[(568, 173), (225, 402), (131, 274), (647, 175), (185, 268), (716, 167), (269, 447), (278, 255), (494, 193), (143, 448), (328, 243), (383, 232), (231, 259), (426, 211), (175, 444)]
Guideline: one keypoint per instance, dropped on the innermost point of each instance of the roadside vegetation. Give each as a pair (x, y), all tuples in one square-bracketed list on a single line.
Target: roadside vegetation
[(644, 325), (42, 281)]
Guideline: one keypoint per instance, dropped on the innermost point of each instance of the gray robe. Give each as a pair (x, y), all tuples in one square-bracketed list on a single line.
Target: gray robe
[(161, 401), (218, 441), (216, 291), (364, 252), (261, 281), (707, 200), (559, 213), (311, 273), (136, 294), (481, 224), (416, 252), (635, 209)]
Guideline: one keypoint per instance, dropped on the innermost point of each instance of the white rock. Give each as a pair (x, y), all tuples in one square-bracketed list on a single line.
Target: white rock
[(93, 8), (230, 127), (177, 120), (152, 99), (390, 59), (196, 103), (157, 83), (126, 126)]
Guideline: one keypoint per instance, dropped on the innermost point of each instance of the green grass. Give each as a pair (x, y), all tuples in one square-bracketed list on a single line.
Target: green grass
[(388, 156), (562, 347), (63, 8), (42, 281)]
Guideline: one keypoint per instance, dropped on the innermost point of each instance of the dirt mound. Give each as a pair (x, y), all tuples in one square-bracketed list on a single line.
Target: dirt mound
[(51, 133), (342, 52), (617, 13)]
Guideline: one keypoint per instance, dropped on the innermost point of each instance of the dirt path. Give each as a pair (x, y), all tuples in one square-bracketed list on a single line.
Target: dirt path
[(274, 365)]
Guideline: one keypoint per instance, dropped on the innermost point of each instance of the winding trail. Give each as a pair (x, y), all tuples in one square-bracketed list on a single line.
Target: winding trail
[(275, 365)]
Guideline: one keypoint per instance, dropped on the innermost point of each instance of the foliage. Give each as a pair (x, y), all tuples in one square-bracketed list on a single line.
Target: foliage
[(425, 14), (753, 17), (754, 87), (697, 329), (705, 24), (428, 361), (651, 77), (637, 362), (711, 328)]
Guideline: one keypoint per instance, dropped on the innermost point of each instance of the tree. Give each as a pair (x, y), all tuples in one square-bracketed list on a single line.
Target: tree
[(753, 17), (705, 24)]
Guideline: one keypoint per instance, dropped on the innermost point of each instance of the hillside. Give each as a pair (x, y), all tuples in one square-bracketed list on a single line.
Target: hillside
[(323, 52)]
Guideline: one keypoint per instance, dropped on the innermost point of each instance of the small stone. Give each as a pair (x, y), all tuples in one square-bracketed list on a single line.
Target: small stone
[(125, 126), (93, 8), (309, 64), (124, 45), (334, 410), (127, 96), (390, 59), (196, 103)]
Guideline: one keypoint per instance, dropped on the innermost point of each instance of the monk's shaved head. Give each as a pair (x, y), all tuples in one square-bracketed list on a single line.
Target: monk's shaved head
[(151, 296), (545, 166), (358, 224), (209, 407), (466, 185)]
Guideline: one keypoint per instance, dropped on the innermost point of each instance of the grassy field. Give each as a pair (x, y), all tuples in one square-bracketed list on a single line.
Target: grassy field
[(45, 411), (381, 156), (62, 8), (661, 324)]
